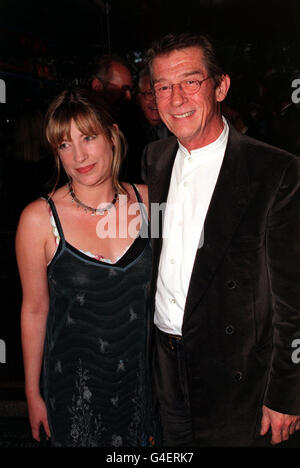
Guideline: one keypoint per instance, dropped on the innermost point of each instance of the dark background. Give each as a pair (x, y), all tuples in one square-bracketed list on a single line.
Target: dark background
[(45, 46), (71, 26)]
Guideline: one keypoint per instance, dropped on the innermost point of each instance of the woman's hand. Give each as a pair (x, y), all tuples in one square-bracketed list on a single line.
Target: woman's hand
[(37, 416)]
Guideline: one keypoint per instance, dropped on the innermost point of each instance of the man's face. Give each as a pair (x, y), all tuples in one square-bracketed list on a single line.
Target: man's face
[(147, 102), (194, 118), (120, 83)]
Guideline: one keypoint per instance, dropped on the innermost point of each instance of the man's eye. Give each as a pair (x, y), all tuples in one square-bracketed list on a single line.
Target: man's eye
[(163, 88), (190, 82)]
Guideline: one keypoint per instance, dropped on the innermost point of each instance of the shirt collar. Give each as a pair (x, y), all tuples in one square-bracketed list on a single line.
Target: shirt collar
[(212, 147)]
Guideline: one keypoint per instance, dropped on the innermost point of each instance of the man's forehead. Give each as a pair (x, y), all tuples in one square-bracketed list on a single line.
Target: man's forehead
[(189, 56), (184, 52), (144, 82), (118, 72)]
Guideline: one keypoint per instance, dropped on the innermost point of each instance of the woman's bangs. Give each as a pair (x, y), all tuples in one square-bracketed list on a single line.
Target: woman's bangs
[(88, 124), (58, 128)]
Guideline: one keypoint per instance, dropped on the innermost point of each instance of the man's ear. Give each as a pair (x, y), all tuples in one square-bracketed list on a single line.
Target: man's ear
[(97, 85), (222, 89)]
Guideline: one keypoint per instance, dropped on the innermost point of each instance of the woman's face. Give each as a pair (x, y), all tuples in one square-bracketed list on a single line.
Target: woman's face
[(87, 159)]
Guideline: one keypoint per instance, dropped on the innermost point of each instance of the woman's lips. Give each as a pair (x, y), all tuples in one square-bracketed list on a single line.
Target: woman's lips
[(85, 169)]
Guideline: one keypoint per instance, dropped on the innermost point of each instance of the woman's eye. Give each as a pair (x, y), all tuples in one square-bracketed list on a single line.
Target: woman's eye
[(90, 137), (63, 146)]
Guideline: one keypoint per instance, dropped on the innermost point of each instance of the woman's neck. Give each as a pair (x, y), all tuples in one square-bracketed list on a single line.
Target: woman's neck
[(93, 195)]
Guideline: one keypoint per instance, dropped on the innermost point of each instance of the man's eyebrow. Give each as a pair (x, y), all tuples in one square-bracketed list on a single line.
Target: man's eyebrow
[(194, 72), (184, 75)]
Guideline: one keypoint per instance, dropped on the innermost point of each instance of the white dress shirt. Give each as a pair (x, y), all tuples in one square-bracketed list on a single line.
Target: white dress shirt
[(193, 180)]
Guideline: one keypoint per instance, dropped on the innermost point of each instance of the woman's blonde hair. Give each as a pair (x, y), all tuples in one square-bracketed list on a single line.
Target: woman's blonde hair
[(91, 114)]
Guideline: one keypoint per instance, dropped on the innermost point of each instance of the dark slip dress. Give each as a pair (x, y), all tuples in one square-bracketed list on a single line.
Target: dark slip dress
[(95, 378)]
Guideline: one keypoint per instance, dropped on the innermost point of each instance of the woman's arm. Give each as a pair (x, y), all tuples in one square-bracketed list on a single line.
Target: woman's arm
[(31, 239)]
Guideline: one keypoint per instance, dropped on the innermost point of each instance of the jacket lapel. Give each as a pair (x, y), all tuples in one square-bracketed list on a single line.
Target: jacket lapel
[(226, 208), (158, 192), (159, 185), (161, 175)]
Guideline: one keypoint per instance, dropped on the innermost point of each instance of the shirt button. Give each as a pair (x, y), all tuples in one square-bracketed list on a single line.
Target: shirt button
[(172, 300), (231, 284), (172, 261), (190, 159), (185, 183), (238, 376), (229, 330)]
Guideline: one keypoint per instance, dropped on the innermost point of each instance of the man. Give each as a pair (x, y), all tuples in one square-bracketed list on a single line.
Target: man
[(113, 78), (154, 128), (225, 281), (147, 126)]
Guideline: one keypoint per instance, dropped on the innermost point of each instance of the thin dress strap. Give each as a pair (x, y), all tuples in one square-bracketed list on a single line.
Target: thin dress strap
[(56, 219), (145, 228), (140, 201)]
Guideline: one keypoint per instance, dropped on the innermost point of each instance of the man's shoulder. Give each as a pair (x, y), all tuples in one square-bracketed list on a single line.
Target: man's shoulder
[(258, 152), (164, 144), (157, 156)]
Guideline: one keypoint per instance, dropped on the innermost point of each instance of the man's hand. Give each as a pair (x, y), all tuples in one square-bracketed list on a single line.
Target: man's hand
[(282, 425)]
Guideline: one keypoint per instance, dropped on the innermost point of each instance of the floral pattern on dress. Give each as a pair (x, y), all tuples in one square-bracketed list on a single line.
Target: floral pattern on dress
[(86, 427)]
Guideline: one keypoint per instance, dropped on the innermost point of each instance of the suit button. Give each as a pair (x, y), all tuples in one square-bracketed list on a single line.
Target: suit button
[(231, 284), (229, 330), (238, 376)]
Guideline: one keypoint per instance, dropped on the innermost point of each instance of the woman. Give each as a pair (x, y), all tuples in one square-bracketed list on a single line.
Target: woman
[(84, 271)]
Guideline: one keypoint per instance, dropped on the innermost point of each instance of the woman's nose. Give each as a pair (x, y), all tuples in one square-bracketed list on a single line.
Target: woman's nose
[(79, 153)]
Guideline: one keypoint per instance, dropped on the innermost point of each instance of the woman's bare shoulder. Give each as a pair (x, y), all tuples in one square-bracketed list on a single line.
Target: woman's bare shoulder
[(60, 195), (143, 191), (35, 211), (141, 188), (33, 226)]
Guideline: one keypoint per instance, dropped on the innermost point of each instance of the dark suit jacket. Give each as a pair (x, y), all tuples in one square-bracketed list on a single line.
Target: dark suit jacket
[(242, 310)]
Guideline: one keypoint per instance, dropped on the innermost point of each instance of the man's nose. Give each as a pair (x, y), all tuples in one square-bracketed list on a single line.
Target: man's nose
[(127, 95), (177, 95)]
